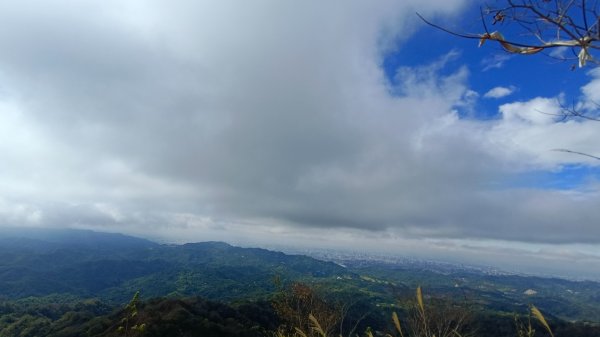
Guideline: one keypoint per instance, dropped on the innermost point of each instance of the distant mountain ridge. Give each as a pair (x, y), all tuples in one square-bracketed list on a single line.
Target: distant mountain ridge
[(52, 238), (41, 262)]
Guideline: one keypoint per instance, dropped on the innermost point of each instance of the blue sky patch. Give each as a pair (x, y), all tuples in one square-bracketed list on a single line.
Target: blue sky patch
[(567, 177), (489, 66)]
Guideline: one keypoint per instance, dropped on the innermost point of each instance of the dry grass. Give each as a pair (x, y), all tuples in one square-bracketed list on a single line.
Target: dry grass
[(538, 315), (437, 319)]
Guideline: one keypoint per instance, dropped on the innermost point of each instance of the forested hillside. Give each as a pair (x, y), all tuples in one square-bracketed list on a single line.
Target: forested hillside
[(78, 283)]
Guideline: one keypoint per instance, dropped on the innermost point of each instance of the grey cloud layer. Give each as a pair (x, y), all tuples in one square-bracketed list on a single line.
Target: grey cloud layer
[(132, 114)]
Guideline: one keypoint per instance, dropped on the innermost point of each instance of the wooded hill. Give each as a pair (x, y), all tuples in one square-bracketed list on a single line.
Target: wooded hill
[(77, 283)]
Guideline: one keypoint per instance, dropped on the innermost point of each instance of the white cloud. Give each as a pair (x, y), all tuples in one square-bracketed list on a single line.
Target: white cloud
[(496, 61), (529, 132), (499, 92), (536, 111), (591, 93), (206, 117), (560, 53)]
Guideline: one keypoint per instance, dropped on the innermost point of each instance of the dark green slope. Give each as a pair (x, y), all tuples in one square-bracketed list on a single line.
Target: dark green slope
[(161, 316), (113, 266)]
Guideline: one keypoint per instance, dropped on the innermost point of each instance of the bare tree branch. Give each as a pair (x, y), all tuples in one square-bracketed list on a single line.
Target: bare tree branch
[(542, 25), (547, 24), (576, 152)]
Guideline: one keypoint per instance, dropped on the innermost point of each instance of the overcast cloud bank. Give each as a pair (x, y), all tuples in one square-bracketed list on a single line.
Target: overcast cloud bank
[(203, 120)]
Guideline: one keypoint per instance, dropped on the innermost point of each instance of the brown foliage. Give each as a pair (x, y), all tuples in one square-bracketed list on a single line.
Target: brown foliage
[(300, 306)]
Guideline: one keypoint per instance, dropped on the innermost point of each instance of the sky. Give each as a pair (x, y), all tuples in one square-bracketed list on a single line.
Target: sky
[(340, 124)]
